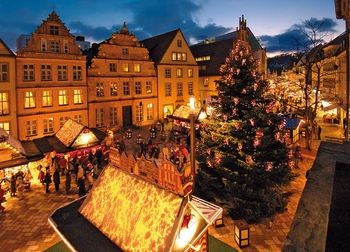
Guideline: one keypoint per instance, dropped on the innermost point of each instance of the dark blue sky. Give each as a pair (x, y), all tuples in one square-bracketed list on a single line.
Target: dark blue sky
[(273, 20)]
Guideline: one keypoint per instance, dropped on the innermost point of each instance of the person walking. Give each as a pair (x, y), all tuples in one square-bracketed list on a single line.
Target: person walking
[(20, 188), (48, 180), (13, 187), (319, 132), (56, 179), (297, 155)]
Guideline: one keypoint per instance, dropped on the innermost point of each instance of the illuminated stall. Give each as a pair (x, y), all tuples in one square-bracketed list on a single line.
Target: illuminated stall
[(181, 116)]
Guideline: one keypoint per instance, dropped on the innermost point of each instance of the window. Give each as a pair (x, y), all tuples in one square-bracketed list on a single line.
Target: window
[(167, 73), (4, 74), (190, 88), (62, 97), (113, 116), (28, 72), (179, 89), (48, 125), (179, 72), (43, 45), (190, 73), (54, 46), (77, 96), (138, 88), (31, 129), (137, 68), (125, 51), (125, 67), (47, 98), (206, 82), (150, 111), (65, 46), (114, 89), (202, 67), (126, 88), (4, 103), (99, 117), (29, 100), (5, 126), (78, 118), (167, 89), (100, 89), (53, 30), (46, 72), (148, 87), (177, 56), (63, 120), (112, 67), (62, 73), (203, 58), (77, 73), (139, 113), (179, 43)]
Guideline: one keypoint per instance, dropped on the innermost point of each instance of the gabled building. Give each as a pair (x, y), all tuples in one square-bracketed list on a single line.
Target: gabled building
[(122, 83), (177, 70), (211, 55), (51, 81), (8, 119)]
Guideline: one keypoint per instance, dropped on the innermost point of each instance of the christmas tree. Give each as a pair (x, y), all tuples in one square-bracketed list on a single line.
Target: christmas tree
[(243, 157)]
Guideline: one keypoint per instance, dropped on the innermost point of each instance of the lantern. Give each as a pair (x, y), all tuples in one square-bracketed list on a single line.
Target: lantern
[(129, 134), (139, 139), (153, 133), (241, 233), (219, 222)]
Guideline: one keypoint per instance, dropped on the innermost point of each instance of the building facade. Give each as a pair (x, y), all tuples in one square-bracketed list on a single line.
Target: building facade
[(211, 55), (177, 71), (122, 83), (8, 119), (51, 81)]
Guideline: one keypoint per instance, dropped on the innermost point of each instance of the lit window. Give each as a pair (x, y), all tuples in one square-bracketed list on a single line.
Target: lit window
[(167, 89), (125, 67), (29, 100), (113, 116), (78, 118), (206, 82), (137, 68), (53, 30), (125, 51), (77, 96), (179, 72), (190, 73), (4, 74), (100, 89), (47, 98), (55, 46), (179, 89), (31, 128), (62, 73), (139, 113), (138, 88), (190, 88), (126, 88), (100, 117), (46, 73), (28, 72), (148, 87), (112, 67), (150, 111), (179, 43), (173, 56), (167, 73), (4, 103), (48, 125), (77, 73), (62, 97), (114, 89), (183, 56), (5, 126), (203, 58), (63, 120)]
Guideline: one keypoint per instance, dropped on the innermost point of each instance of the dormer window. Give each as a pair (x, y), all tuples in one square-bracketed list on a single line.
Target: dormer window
[(53, 30), (125, 51)]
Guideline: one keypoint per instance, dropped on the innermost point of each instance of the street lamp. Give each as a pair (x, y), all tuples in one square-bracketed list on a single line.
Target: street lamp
[(192, 147)]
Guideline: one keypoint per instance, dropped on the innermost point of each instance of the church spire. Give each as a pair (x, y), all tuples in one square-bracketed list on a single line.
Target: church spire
[(124, 29)]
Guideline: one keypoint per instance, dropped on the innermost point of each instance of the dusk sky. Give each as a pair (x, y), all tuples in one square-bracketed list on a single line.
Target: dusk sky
[(270, 20)]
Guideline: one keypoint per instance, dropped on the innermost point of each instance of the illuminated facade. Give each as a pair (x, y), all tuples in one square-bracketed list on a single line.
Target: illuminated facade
[(8, 120), (211, 55), (177, 71), (122, 83), (51, 81)]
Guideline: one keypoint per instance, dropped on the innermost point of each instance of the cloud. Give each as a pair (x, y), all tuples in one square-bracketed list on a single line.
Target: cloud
[(294, 39)]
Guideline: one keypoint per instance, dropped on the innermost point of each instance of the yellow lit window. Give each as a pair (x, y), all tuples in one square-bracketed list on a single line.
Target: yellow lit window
[(29, 100), (125, 67), (47, 98), (5, 126), (137, 68), (77, 96), (4, 103), (62, 97), (150, 111)]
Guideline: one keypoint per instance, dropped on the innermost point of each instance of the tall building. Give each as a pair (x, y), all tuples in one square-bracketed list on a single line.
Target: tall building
[(177, 70), (211, 55), (51, 81), (122, 83), (8, 120)]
